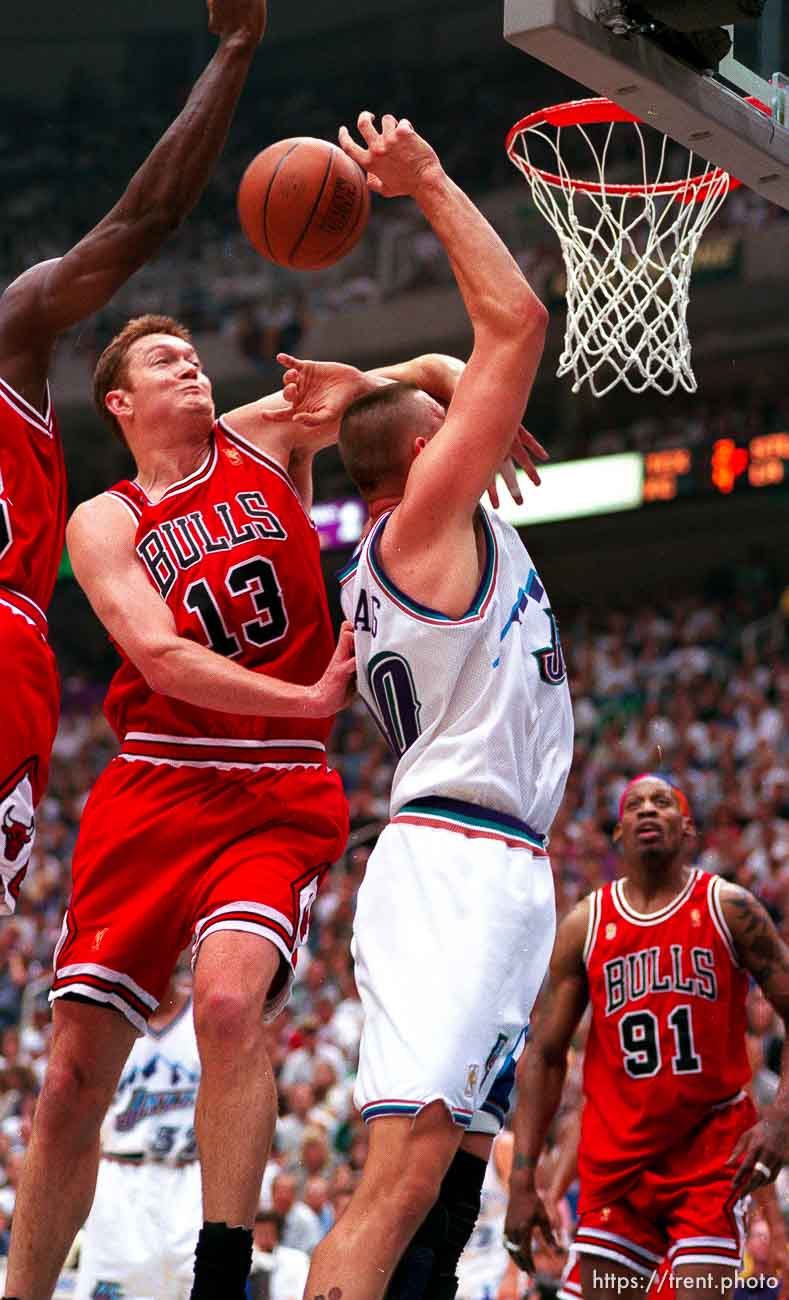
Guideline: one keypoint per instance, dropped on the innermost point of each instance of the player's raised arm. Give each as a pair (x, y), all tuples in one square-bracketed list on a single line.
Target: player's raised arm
[(541, 1075), (761, 950), (101, 546), (508, 321), (53, 295)]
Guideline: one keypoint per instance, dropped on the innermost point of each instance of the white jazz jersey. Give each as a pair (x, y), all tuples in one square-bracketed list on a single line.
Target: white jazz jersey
[(476, 709), (140, 1235), (152, 1112)]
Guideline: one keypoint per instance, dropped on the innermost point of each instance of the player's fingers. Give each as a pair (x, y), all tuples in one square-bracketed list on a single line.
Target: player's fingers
[(744, 1173), (367, 128), (353, 150), (546, 1228), (510, 475), (388, 126), (526, 463), (375, 183), (291, 363), (493, 494), (532, 445), (405, 127), (515, 1244), (276, 414)]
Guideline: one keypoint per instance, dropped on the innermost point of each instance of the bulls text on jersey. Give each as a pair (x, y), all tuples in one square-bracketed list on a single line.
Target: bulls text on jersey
[(182, 542), (651, 970)]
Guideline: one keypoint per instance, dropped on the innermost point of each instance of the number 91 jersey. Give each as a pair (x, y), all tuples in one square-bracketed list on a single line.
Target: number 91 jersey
[(232, 552), (666, 1042)]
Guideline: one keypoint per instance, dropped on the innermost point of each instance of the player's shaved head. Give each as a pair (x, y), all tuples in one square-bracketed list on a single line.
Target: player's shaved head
[(377, 436), (110, 369)]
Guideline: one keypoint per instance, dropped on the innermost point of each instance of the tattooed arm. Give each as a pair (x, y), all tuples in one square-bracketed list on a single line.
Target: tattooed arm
[(762, 952), (541, 1073)]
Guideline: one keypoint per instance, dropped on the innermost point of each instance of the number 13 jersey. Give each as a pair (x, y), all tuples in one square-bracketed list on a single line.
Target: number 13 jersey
[(232, 552), (666, 1042)]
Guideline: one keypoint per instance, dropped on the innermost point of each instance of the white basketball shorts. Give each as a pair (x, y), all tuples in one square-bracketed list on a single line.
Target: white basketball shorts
[(141, 1233), (452, 939)]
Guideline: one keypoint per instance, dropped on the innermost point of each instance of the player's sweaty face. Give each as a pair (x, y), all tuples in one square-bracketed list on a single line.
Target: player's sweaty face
[(652, 820), (165, 376)]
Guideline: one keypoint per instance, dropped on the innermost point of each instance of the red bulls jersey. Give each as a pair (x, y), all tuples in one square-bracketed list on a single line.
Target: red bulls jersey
[(237, 560), (32, 504), (667, 1037)]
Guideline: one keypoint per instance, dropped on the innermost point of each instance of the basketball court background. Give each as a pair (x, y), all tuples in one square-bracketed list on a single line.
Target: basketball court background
[(696, 510)]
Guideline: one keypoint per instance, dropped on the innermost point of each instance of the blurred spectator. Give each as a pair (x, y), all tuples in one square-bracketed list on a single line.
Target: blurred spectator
[(278, 1271), (301, 1227)]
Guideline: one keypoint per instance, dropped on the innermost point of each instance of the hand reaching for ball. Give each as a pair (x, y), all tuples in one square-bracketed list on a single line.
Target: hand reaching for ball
[(397, 160), (241, 18)]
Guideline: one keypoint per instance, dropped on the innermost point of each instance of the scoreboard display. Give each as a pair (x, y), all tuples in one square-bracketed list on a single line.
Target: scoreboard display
[(722, 467)]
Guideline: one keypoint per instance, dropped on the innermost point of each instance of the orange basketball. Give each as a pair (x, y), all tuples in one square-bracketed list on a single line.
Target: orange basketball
[(303, 203)]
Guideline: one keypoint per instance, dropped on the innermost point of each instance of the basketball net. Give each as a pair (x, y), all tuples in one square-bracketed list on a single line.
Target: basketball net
[(628, 249)]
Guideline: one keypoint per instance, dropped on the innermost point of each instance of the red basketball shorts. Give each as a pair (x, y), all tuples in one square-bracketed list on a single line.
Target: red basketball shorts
[(168, 855), (29, 703), (679, 1211)]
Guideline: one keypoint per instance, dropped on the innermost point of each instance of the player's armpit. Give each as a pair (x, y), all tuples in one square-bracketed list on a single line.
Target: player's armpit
[(759, 947)]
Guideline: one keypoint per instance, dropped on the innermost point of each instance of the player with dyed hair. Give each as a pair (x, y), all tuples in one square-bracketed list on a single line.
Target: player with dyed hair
[(670, 1146), (459, 660)]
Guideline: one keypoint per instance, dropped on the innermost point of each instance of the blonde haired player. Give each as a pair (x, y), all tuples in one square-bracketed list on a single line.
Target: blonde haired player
[(458, 657)]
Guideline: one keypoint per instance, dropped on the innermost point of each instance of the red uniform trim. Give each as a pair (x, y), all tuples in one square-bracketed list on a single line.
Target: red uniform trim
[(26, 607), (207, 751)]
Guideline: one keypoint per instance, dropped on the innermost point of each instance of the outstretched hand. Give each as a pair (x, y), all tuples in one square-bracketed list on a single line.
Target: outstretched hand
[(245, 18), (396, 159), (524, 451), (316, 393)]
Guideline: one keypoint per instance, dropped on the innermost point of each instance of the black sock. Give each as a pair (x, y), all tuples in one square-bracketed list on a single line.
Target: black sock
[(461, 1193), (223, 1259)]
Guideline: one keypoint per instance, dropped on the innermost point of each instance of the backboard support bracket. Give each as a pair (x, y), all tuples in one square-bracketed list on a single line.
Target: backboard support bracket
[(693, 109)]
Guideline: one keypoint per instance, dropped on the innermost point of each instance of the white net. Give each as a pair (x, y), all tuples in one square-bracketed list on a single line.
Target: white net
[(628, 256)]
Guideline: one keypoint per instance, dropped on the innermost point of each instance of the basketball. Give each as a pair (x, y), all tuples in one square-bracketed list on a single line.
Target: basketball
[(303, 203)]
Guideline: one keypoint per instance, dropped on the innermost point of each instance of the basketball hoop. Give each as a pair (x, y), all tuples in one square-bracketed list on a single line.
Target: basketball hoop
[(628, 248)]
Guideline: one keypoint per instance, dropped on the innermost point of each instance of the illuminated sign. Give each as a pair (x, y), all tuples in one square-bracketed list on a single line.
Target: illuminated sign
[(575, 489), (725, 467)]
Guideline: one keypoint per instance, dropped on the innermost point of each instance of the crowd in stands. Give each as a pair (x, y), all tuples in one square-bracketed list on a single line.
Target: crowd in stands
[(699, 690)]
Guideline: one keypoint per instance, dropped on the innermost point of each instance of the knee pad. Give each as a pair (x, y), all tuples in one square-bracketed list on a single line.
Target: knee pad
[(460, 1197)]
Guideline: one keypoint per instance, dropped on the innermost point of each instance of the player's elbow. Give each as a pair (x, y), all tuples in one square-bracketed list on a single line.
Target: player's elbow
[(158, 663), (516, 315)]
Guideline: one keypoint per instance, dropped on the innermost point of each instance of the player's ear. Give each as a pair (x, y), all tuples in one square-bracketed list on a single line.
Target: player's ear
[(617, 835), (118, 402), (688, 828), (419, 445)]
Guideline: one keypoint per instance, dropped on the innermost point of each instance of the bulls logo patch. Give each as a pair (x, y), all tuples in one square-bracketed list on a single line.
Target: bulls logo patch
[(17, 829)]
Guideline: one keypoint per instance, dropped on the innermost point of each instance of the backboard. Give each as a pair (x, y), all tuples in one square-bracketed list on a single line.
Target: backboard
[(706, 113)]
